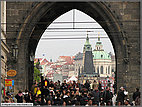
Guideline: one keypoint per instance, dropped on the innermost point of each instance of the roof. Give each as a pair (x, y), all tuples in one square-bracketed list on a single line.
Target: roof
[(69, 63), (56, 66), (65, 58), (43, 62), (100, 54)]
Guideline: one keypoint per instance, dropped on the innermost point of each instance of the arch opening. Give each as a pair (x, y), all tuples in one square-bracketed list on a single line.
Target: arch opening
[(98, 11)]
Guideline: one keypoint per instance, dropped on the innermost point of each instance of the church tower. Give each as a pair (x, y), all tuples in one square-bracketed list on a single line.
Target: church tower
[(88, 58), (99, 46)]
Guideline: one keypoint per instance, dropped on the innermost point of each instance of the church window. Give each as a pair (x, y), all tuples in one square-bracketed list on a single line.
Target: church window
[(98, 70), (101, 69), (101, 56), (108, 69)]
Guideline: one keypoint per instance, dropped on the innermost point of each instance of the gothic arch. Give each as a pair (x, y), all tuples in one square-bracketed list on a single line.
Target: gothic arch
[(31, 32)]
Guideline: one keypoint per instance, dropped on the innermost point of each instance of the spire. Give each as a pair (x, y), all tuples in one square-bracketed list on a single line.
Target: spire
[(99, 45), (87, 45), (87, 36), (87, 39)]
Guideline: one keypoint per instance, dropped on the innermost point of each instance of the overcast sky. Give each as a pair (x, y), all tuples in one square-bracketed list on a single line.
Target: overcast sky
[(53, 48)]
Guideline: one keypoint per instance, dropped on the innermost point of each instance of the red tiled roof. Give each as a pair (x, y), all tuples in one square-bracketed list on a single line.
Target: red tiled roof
[(44, 61), (56, 66), (66, 58), (49, 63), (69, 63)]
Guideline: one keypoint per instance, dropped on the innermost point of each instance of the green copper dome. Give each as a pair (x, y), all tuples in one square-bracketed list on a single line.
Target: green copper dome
[(100, 54)]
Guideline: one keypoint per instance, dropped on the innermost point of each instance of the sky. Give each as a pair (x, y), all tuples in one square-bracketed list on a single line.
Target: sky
[(53, 48)]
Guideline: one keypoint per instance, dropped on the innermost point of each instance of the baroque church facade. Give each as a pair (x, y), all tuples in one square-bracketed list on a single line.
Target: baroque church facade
[(94, 64)]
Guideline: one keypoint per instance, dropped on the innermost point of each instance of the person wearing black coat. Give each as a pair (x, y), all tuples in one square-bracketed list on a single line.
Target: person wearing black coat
[(19, 97), (107, 96), (87, 85), (136, 94), (120, 96), (96, 95)]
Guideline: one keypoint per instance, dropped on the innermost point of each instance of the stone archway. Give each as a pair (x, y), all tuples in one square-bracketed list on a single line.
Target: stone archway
[(30, 33)]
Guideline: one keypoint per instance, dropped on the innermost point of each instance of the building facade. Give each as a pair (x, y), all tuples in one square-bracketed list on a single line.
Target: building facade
[(103, 63), (4, 48)]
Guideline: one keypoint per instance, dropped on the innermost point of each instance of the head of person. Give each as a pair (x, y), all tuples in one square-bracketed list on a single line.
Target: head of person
[(68, 94), (64, 81), (122, 88), (58, 81), (90, 102), (96, 88), (107, 88), (26, 91), (20, 93), (72, 93), (49, 102), (87, 81), (39, 97), (126, 102), (77, 93), (78, 81), (64, 91), (64, 103), (137, 89)]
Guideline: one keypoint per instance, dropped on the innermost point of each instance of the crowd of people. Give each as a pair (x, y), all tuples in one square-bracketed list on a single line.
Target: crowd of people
[(73, 94)]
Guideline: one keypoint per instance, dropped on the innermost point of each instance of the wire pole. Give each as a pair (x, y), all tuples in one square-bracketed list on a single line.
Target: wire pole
[(73, 18)]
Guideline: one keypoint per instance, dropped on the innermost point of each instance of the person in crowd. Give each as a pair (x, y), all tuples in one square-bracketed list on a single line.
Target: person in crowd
[(90, 103), (64, 86), (120, 96), (94, 85), (26, 96), (51, 84), (136, 96), (127, 102), (100, 86), (68, 94), (87, 85), (107, 96), (38, 91), (49, 103), (19, 97), (38, 100), (96, 95)]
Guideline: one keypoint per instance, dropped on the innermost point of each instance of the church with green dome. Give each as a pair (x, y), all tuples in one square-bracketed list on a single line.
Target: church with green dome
[(95, 64), (99, 53), (102, 60)]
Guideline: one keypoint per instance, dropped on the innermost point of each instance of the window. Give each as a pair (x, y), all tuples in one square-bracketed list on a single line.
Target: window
[(94, 69), (108, 69), (101, 69), (98, 70), (101, 56)]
